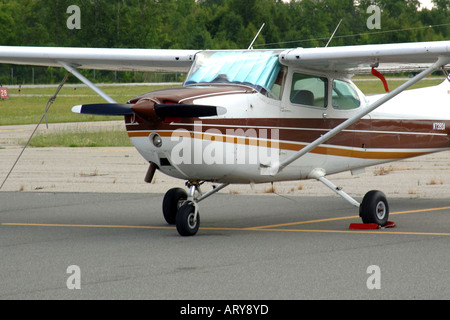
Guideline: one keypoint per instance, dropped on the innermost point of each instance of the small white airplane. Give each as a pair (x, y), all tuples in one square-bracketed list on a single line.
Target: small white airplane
[(258, 116)]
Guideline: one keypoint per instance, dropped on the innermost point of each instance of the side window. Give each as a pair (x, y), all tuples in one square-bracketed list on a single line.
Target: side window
[(309, 90), (344, 96)]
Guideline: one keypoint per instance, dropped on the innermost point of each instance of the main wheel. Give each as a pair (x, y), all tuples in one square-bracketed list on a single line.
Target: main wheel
[(374, 208), (173, 199), (187, 224)]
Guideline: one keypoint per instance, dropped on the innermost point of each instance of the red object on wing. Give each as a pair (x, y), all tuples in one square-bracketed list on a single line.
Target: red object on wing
[(381, 77)]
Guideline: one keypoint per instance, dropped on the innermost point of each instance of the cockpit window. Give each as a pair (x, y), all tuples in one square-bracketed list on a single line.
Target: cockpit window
[(344, 96), (257, 69), (309, 90), (276, 90)]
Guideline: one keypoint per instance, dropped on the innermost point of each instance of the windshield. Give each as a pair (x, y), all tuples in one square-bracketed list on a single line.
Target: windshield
[(258, 69)]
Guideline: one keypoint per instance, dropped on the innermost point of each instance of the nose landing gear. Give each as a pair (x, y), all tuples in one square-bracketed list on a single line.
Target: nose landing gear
[(181, 208)]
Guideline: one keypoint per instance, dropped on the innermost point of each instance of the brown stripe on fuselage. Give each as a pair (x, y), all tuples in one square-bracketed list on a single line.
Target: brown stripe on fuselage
[(335, 151), (294, 134)]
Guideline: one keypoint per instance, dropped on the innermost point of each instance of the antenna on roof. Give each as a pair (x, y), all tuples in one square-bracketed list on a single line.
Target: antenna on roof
[(250, 47), (333, 33)]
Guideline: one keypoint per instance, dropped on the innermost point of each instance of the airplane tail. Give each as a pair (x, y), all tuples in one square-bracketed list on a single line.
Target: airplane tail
[(425, 103)]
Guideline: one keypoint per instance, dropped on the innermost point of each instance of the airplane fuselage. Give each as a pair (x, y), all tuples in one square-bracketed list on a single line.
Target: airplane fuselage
[(258, 130)]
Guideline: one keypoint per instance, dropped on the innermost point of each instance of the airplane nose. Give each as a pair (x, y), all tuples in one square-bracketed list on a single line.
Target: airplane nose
[(149, 110), (145, 109)]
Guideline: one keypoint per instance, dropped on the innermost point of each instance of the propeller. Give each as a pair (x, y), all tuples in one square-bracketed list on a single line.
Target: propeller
[(187, 110), (149, 110), (106, 109)]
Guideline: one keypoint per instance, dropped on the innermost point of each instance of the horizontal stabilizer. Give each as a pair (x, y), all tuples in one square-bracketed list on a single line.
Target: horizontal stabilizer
[(105, 109)]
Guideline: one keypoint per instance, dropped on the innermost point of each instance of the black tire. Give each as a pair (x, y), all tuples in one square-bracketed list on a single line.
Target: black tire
[(186, 226), (374, 208), (171, 203)]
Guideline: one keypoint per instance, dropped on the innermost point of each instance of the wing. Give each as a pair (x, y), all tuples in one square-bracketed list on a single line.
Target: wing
[(402, 57), (399, 57), (159, 60)]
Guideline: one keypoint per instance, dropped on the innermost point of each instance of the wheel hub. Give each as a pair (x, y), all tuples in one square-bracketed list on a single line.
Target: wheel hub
[(381, 210), (192, 221)]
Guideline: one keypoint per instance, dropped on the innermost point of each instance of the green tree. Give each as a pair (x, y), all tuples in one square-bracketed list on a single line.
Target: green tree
[(208, 24)]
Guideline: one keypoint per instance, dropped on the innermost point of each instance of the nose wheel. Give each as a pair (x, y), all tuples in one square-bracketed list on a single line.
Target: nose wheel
[(173, 200), (187, 220), (181, 208)]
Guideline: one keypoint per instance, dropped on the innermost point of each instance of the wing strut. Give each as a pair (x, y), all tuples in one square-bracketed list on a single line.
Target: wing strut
[(86, 81), (276, 168)]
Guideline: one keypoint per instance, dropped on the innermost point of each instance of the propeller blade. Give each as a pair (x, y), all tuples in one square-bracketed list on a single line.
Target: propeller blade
[(106, 109), (147, 110), (187, 110)]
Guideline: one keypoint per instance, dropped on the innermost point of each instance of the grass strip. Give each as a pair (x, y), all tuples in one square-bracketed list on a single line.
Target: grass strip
[(82, 138)]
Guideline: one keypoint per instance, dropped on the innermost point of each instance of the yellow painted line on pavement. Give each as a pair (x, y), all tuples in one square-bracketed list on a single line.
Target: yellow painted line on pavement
[(299, 223), (273, 227), (80, 225), (421, 210), (22, 224), (341, 218), (230, 229), (375, 231)]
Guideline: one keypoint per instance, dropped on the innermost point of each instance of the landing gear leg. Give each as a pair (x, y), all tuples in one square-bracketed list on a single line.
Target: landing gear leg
[(319, 174), (339, 191), (373, 209), (187, 217)]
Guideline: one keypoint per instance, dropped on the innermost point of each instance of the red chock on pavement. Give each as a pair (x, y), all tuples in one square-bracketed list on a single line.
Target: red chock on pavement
[(370, 226)]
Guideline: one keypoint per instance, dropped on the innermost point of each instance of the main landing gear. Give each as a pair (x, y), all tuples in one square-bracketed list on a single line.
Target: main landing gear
[(374, 207), (181, 208)]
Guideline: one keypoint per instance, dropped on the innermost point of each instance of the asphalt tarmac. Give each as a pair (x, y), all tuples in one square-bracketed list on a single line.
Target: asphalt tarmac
[(80, 223), (68, 245)]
